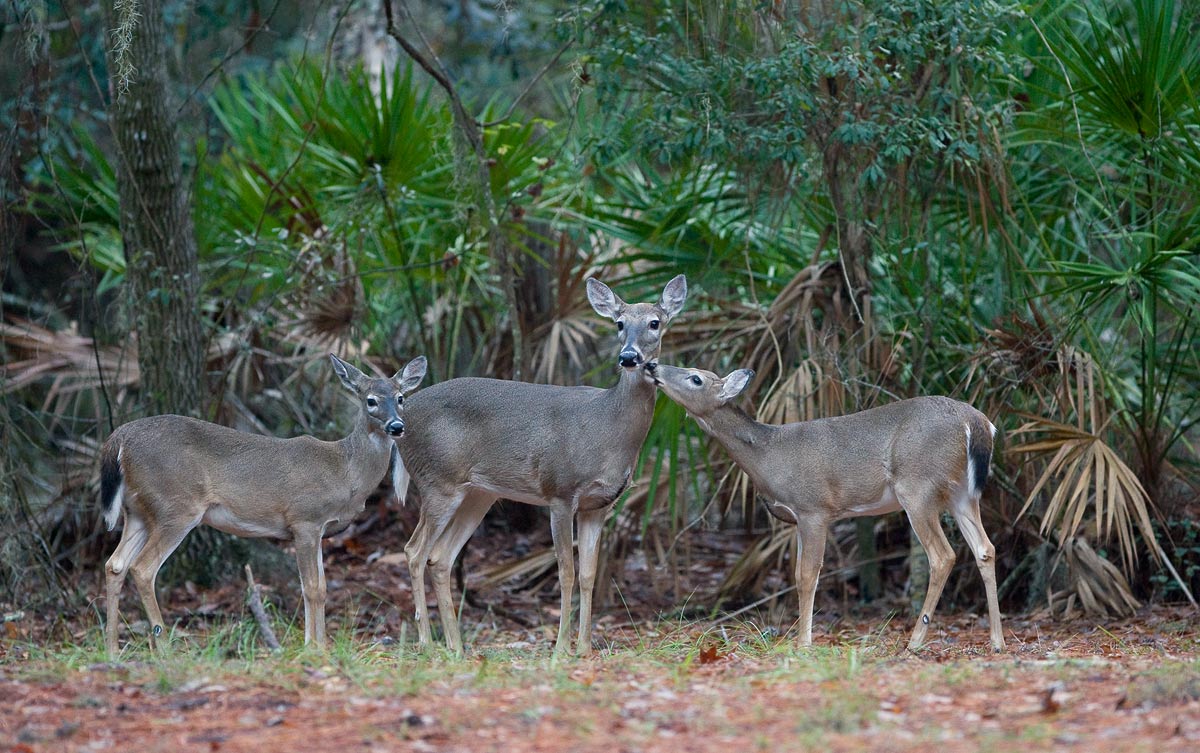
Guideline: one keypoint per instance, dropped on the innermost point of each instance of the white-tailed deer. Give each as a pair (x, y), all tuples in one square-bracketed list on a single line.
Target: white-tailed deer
[(569, 448), (925, 455), (170, 474)]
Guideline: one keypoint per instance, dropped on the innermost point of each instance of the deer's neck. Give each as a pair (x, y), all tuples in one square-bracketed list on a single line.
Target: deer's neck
[(631, 401), (747, 441), (367, 450)]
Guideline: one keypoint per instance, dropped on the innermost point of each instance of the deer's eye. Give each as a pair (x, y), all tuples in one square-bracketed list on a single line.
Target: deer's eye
[(654, 324), (620, 326), (372, 402), (696, 380), (399, 399)]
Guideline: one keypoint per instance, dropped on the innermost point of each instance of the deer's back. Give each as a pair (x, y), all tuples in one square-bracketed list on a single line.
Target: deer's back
[(196, 463), (860, 455), (528, 441)]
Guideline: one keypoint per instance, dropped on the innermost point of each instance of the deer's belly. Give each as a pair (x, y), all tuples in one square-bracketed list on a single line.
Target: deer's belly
[(885, 503), (508, 491), (222, 519)]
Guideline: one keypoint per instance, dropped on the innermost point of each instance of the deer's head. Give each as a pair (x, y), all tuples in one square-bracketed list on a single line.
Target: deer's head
[(700, 392), (382, 400), (639, 325)]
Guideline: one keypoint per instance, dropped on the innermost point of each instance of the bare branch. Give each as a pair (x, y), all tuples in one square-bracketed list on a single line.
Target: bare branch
[(254, 601), (472, 131)]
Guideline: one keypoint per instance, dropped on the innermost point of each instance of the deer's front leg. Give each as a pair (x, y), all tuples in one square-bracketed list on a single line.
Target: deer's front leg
[(810, 553), (312, 583), (591, 524), (561, 518)]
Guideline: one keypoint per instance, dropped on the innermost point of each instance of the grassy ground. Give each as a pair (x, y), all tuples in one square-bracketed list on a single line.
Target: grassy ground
[(1134, 686)]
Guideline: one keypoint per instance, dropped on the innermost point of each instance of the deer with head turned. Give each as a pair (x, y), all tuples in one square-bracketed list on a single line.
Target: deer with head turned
[(572, 449), (925, 455), (170, 474)]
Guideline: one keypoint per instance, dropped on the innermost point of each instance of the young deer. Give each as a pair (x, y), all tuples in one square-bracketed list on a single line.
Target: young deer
[(925, 456), (570, 448), (172, 473)]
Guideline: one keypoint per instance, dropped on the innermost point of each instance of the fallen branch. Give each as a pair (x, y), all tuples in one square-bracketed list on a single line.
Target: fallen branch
[(254, 601)]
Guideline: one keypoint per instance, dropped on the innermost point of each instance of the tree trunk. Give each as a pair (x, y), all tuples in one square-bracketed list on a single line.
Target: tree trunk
[(156, 223), (161, 264)]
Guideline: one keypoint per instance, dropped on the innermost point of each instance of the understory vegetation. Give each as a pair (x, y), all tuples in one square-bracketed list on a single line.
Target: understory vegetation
[(871, 200)]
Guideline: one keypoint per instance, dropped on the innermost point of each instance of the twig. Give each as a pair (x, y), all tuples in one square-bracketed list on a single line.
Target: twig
[(512, 106), (254, 601), (471, 131)]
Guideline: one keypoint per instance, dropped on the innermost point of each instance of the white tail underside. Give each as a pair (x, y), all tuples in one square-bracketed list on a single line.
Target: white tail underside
[(113, 513), (400, 476)]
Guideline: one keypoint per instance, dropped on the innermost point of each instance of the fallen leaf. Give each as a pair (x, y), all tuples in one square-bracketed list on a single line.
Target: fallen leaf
[(709, 654)]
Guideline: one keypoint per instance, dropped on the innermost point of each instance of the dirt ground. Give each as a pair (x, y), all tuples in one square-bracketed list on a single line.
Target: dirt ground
[(655, 684), (1130, 686)]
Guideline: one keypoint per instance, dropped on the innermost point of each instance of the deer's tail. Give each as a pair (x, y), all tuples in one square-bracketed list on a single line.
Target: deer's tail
[(112, 483), (400, 475), (981, 434)]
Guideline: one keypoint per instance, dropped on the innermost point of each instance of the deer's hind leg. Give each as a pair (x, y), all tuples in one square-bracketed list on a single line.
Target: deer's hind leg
[(133, 539), (445, 552), (923, 505), (164, 539), (966, 515)]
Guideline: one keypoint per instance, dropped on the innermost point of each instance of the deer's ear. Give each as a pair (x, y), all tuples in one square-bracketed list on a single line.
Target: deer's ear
[(673, 296), (732, 385), (603, 300), (349, 375), (411, 375)]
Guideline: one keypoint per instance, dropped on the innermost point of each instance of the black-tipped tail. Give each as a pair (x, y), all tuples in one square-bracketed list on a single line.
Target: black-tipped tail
[(111, 480), (982, 460), (979, 454)]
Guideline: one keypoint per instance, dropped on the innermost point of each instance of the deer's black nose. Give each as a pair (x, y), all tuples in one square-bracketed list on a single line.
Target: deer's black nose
[(628, 359), (394, 428)]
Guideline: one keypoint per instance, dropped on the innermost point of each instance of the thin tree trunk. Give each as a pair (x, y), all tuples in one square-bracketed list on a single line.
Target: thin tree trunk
[(161, 262), (471, 132), (156, 224)]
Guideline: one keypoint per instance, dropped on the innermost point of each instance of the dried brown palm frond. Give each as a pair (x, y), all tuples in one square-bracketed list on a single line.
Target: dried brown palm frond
[(1093, 482), (702, 338), (562, 328), (1097, 588), (327, 299), (72, 363), (564, 345), (765, 556), (534, 565), (1020, 354), (807, 394)]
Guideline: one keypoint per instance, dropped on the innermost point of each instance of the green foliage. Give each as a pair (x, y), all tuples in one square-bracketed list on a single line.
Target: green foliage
[(1023, 179), (887, 86), (1112, 140)]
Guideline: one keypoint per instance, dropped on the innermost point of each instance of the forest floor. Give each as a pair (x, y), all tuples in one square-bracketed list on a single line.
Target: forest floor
[(659, 680), (1132, 686)]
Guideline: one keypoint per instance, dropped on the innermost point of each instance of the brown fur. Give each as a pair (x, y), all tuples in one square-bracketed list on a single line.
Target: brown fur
[(173, 473), (569, 448), (911, 455)]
